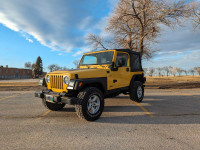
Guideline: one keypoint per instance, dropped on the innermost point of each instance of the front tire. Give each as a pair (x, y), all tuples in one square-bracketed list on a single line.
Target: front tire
[(52, 106), (137, 91), (90, 104)]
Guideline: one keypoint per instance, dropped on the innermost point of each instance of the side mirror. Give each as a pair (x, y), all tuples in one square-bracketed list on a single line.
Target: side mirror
[(112, 67)]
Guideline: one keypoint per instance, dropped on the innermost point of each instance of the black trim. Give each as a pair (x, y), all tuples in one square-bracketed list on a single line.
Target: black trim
[(39, 94), (57, 98), (114, 81), (128, 51), (76, 76), (118, 90), (139, 77)]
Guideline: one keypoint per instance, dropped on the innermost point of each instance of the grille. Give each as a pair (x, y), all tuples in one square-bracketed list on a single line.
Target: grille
[(56, 81)]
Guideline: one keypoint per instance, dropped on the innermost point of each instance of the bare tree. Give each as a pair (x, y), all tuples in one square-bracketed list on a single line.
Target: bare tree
[(167, 70), (192, 71), (179, 70), (34, 70), (135, 24), (53, 67), (173, 70), (28, 65), (151, 72), (64, 68), (197, 69), (196, 13), (96, 41), (76, 63), (186, 72), (145, 71), (159, 71)]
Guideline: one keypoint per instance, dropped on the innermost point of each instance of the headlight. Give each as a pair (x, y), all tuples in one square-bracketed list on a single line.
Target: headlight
[(47, 78), (66, 80)]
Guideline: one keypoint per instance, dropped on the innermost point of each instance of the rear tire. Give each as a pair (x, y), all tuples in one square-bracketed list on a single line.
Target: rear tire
[(90, 104), (136, 91), (52, 106)]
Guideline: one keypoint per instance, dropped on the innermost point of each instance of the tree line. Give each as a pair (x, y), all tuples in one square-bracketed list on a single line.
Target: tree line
[(37, 67), (169, 70), (55, 67)]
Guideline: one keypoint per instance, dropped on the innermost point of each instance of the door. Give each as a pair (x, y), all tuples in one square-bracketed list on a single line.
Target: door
[(121, 77)]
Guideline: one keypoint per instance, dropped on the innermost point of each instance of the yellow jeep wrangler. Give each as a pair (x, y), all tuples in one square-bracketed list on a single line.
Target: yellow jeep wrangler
[(101, 74)]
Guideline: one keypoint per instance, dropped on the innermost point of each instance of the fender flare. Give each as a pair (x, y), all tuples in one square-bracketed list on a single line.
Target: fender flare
[(138, 77)]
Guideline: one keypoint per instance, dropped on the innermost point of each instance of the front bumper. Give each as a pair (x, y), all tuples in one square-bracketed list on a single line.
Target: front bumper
[(55, 98)]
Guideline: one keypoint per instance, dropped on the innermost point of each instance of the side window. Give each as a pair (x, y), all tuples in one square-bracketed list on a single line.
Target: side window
[(122, 60)]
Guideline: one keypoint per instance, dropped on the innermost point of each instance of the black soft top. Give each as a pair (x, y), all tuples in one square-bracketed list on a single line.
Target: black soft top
[(135, 59), (128, 51)]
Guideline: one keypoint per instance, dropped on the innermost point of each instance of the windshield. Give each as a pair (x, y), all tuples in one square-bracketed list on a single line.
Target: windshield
[(97, 58)]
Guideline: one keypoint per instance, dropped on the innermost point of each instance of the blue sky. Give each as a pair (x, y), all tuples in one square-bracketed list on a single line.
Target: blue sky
[(56, 31)]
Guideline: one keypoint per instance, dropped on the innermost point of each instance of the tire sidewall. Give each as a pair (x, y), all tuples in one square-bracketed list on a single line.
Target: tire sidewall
[(82, 105), (133, 91), (85, 104), (140, 98)]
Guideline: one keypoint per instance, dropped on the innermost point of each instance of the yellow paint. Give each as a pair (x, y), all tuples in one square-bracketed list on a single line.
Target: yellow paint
[(12, 96), (44, 114), (144, 109), (122, 76)]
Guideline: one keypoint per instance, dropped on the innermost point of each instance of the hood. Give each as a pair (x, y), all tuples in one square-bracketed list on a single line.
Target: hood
[(83, 73)]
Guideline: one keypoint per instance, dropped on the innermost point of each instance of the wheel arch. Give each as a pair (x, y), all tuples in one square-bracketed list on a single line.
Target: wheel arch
[(97, 85), (138, 77), (100, 83)]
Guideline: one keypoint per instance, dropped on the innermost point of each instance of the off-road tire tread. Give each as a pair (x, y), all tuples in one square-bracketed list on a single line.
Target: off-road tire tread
[(81, 101), (133, 91)]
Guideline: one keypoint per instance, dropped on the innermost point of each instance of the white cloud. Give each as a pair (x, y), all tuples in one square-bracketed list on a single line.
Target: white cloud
[(84, 23), (185, 60), (31, 41), (82, 50), (60, 25), (8, 23), (179, 47)]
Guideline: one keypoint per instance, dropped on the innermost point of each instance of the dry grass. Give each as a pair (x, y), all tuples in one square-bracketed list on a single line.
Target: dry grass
[(18, 84), (177, 82)]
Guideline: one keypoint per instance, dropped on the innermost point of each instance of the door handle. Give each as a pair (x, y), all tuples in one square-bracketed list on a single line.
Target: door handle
[(114, 81), (127, 69)]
